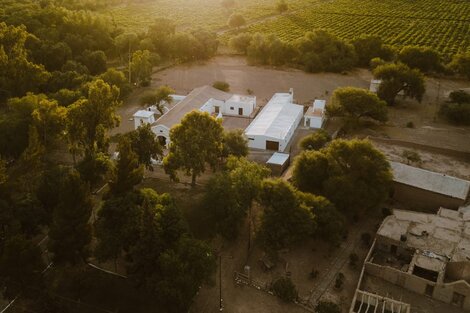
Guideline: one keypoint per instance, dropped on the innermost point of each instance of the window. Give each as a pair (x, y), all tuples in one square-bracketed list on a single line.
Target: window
[(216, 109), (231, 108), (251, 138)]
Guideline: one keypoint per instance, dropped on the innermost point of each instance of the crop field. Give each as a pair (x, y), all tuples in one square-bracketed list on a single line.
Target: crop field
[(442, 25), (207, 14)]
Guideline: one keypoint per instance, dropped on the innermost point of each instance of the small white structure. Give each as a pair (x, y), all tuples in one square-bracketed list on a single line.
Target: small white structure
[(142, 117), (274, 126), (278, 163), (315, 115), (206, 99), (374, 85)]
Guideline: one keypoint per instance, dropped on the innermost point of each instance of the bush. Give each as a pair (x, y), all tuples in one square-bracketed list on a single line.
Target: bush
[(375, 62), (315, 141), (411, 156), (313, 274), (339, 282), (327, 307), (353, 259), (456, 113), (236, 20), (459, 97), (410, 125), (285, 289), (221, 86)]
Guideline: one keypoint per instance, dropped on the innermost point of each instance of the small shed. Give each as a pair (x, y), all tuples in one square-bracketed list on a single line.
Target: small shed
[(142, 117), (315, 115), (278, 163)]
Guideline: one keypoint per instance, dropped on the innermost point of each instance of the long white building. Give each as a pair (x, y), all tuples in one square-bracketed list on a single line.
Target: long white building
[(274, 126)]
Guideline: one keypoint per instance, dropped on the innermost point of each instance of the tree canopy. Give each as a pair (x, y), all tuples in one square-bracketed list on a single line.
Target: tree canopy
[(424, 59), (315, 141), (370, 47)]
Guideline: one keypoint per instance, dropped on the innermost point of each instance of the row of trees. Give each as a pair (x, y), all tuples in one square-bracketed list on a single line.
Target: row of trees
[(320, 51)]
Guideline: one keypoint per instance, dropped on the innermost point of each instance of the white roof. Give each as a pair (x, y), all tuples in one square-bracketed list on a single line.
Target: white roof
[(143, 113), (277, 117), (431, 181), (278, 158), (319, 104)]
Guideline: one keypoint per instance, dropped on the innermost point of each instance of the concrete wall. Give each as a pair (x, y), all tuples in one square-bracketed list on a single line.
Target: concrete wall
[(315, 122), (422, 199), (247, 108), (138, 121), (162, 130), (442, 292)]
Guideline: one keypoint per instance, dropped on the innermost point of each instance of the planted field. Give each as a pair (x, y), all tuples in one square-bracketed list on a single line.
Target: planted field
[(207, 14), (443, 25)]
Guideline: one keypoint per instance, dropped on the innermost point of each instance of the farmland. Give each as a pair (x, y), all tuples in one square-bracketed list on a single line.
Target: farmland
[(206, 14), (442, 25)]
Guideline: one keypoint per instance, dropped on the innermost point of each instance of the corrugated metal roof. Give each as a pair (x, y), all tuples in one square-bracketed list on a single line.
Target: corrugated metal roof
[(276, 118), (431, 181), (278, 158)]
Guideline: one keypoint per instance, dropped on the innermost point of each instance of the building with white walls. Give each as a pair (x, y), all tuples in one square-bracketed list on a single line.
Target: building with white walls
[(315, 115)]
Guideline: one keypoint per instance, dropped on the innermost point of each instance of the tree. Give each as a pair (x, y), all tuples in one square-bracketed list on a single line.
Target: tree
[(327, 307), (128, 172), (70, 232), (315, 141), (461, 64), (285, 289), (113, 77), (94, 167), (241, 42), (369, 47), (158, 97), (195, 142), (161, 32), (352, 174), (89, 119), (285, 220), (321, 51), (457, 110), (49, 120), (357, 103), (269, 49), (422, 58), (234, 143), (397, 78), (95, 61), (223, 86), (236, 21), (282, 6), (141, 67), (20, 266), (145, 144)]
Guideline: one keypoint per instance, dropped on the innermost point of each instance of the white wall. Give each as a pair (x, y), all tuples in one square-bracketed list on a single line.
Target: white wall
[(315, 122), (231, 108), (138, 121), (162, 130)]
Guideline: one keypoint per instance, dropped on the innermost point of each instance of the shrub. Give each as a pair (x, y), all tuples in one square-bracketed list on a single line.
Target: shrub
[(221, 86), (327, 307), (313, 274), (459, 97), (285, 289), (353, 259), (339, 282), (236, 20), (410, 125), (411, 156), (375, 62)]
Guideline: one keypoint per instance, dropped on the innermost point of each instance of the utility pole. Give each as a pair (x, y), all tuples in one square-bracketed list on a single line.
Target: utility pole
[(221, 307)]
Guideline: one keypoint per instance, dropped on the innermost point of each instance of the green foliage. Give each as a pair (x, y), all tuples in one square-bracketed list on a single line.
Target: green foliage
[(315, 141), (411, 156), (285, 289), (268, 49), (236, 20), (370, 47), (424, 59), (327, 307), (461, 64), (70, 233), (20, 266), (282, 6), (398, 78), (320, 51), (141, 67), (286, 219), (376, 62), (357, 103), (352, 174), (128, 172), (49, 120), (234, 143), (195, 142), (457, 110), (114, 77), (94, 167), (223, 86), (145, 144), (241, 42), (95, 61), (157, 97)]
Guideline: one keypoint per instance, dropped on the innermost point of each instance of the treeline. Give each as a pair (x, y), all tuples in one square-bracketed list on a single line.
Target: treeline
[(320, 51)]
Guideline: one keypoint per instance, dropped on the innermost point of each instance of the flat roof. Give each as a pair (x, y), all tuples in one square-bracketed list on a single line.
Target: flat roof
[(443, 236), (277, 118), (436, 182), (278, 158), (193, 101), (143, 113), (319, 104)]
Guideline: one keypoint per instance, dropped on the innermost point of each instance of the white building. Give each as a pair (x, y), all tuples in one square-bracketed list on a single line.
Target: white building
[(143, 117), (207, 99), (275, 125), (315, 115)]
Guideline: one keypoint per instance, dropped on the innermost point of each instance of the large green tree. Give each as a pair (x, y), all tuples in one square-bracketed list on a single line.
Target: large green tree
[(158, 97), (352, 174), (398, 78), (70, 231), (49, 120), (357, 103), (141, 66), (370, 47), (145, 144), (195, 143), (461, 64), (424, 59)]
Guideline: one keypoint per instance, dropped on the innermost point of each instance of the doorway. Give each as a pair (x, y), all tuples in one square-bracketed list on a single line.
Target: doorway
[(240, 111), (272, 145)]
